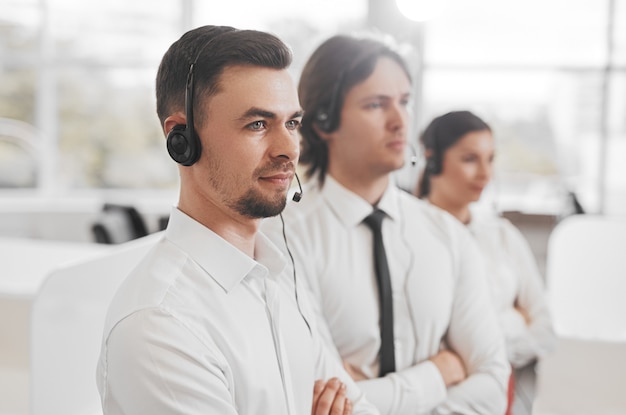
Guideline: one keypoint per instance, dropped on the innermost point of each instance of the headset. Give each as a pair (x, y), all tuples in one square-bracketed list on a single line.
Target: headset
[(325, 118), (297, 196), (183, 143), (433, 167), (184, 146), (413, 158), (434, 163), (293, 264)]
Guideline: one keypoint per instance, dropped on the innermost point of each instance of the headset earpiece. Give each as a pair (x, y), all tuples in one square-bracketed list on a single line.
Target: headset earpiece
[(325, 117), (324, 121), (183, 145), (433, 167)]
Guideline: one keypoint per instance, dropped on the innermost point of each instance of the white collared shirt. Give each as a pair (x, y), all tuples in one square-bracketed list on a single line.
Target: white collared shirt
[(201, 328), (439, 297), (514, 278)]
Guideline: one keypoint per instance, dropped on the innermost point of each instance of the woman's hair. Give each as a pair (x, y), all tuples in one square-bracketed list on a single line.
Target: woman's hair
[(442, 133), (334, 68), (211, 49)]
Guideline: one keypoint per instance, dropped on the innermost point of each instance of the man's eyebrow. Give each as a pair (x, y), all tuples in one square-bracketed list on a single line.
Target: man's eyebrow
[(258, 112)]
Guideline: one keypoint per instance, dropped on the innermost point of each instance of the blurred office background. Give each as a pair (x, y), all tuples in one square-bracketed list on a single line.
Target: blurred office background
[(77, 99), (78, 127)]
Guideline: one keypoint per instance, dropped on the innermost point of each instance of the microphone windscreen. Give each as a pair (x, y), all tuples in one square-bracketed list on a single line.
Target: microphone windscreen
[(297, 195)]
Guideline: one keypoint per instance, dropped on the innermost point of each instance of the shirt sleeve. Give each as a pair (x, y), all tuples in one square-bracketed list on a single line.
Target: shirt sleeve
[(415, 390), (328, 360), (525, 342), (419, 388), (154, 365), (328, 366), (474, 334)]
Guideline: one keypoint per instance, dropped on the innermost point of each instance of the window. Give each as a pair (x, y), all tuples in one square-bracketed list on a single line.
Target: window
[(548, 76), (81, 74)]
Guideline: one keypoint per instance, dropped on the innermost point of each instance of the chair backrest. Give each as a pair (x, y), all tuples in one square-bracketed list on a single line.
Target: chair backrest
[(66, 329), (586, 277), (582, 377), (586, 284), (117, 224)]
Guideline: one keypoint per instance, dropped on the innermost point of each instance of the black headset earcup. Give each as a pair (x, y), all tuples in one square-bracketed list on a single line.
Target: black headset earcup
[(183, 148), (324, 121), (432, 167)]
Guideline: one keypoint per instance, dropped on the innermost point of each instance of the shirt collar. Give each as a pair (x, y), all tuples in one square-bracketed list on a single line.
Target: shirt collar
[(226, 264), (351, 208)]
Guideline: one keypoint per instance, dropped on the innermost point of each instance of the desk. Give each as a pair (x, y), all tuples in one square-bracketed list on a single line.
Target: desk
[(24, 265)]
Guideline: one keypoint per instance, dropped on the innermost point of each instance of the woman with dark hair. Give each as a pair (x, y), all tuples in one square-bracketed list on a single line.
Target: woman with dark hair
[(459, 151)]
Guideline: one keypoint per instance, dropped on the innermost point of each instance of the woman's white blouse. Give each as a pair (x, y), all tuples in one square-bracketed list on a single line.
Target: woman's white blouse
[(514, 280)]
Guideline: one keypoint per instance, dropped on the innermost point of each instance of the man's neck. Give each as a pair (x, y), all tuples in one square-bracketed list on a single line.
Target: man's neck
[(236, 229), (370, 189)]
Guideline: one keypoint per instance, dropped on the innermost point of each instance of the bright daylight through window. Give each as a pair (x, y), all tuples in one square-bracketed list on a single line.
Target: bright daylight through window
[(77, 95)]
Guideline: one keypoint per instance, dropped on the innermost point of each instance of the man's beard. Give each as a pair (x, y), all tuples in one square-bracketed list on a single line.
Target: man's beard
[(254, 206)]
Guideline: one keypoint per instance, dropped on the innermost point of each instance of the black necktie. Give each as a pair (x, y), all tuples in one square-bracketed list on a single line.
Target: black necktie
[(387, 354)]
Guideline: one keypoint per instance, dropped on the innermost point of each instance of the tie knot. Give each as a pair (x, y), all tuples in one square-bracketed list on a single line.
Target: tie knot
[(375, 219)]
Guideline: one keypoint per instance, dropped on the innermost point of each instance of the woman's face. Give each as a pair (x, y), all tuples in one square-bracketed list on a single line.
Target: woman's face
[(467, 169)]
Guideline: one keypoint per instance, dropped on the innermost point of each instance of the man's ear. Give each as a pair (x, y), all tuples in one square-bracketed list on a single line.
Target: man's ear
[(428, 153), (173, 120)]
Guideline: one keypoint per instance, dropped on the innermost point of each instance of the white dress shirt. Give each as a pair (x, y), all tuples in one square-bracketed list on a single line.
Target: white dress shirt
[(201, 328), (514, 278), (439, 297)]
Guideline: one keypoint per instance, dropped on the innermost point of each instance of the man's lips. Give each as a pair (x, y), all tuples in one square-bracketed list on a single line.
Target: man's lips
[(279, 178), (397, 144)]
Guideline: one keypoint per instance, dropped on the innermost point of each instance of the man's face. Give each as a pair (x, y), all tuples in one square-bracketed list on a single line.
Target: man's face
[(372, 134), (250, 141)]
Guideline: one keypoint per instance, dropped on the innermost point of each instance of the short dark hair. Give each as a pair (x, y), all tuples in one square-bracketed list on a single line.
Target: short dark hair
[(214, 48), (334, 68), (440, 134)]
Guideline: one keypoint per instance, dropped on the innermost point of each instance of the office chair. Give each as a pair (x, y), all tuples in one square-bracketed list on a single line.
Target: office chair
[(66, 329), (117, 224), (586, 282), (586, 276)]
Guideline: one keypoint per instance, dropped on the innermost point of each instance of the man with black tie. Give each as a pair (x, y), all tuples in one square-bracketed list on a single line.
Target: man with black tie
[(399, 283)]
